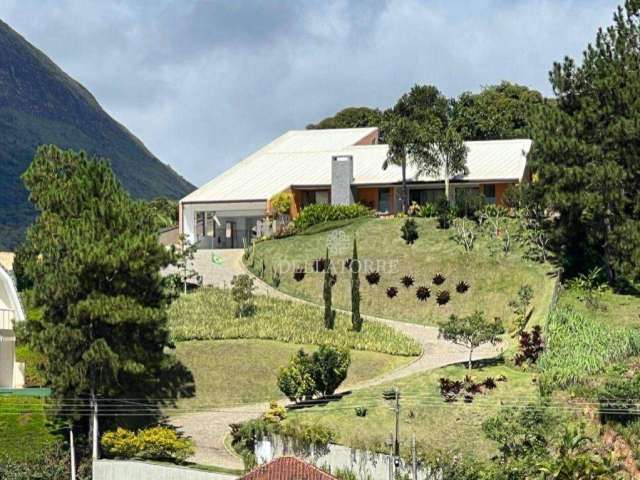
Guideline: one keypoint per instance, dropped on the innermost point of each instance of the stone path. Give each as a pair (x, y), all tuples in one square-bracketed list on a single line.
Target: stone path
[(209, 429)]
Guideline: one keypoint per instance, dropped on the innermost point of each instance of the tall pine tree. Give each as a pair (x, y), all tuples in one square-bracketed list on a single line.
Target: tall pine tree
[(94, 263), (356, 319), (329, 312), (586, 153)]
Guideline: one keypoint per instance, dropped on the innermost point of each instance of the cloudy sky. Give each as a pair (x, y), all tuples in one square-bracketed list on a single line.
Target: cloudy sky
[(204, 83)]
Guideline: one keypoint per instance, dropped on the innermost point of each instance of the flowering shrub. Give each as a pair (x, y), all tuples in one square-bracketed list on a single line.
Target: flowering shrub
[(155, 443)]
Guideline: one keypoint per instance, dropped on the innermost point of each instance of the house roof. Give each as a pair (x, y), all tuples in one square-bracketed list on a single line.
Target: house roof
[(287, 468), (303, 158)]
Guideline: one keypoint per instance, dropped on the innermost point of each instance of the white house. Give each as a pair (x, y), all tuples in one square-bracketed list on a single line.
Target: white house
[(11, 311), (337, 166)]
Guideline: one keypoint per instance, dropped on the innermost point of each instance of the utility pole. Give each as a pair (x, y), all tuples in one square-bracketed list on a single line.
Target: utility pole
[(390, 457), (396, 442), (72, 449), (94, 426)]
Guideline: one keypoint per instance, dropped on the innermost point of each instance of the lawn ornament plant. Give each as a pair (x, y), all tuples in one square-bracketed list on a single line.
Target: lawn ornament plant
[(438, 279), (407, 281), (298, 274), (423, 293), (392, 292), (443, 297), (373, 277), (462, 287)]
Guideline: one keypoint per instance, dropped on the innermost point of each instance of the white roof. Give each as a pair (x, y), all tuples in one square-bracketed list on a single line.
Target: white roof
[(303, 158)]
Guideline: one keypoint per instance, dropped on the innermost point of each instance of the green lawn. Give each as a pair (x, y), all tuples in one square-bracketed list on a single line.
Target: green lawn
[(24, 429), (208, 314), (436, 424), (494, 277), (616, 309), (229, 372)]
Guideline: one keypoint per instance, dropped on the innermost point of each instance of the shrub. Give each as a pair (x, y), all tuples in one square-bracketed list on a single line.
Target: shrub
[(242, 293), (281, 202), (427, 210), (520, 307), (409, 231), (296, 380), (308, 433), (530, 347), (438, 279), (361, 411), (422, 293), (407, 281), (333, 279), (276, 413), (444, 213), (392, 292), (320, 213), (298, 274), (464, 234), (443, 297), (579, 346), (329, 312), (319, 264), (618, 397), (155, 443), (373, 278), (468, 203), (275, 277), (462, 286)]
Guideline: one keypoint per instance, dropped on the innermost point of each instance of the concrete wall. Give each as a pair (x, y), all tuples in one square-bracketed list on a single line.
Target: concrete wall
[(365, 465), (341, 179), (131, 469)]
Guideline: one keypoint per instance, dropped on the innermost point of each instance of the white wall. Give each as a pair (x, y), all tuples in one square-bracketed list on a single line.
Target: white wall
[(135, 470)]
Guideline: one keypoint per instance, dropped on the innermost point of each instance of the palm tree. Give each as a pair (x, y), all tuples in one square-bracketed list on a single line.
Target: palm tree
[(440, 154), (401, 135)]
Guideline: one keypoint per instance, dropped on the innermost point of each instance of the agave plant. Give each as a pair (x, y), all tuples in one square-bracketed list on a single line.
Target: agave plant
[(298, 274), (443, 297), (407, 281), (489, 383), (373, 277), (392, 292), (462, 287), (438, 279), (422, 293), (319, 264)]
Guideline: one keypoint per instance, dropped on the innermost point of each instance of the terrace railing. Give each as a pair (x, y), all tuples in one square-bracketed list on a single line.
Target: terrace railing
[(7, 317)]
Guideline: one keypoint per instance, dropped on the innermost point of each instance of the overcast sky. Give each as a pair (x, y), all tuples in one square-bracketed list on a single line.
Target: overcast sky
[(204, 83)]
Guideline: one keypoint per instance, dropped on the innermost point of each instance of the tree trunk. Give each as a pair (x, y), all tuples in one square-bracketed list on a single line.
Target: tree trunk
[(470, 364), (93, 425), (446, 182)]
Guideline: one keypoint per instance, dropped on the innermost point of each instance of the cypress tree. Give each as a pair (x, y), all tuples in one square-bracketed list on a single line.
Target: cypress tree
[(356, 319), (329, 313), (94, 262)]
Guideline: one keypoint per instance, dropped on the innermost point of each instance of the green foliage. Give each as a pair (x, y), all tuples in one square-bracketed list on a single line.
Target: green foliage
[(208, 315), (520, 307), (409, 231), (155, 443), (95, 263), (276, 413), (281, 202), (468, 203), (49, 463), (444, 213), (35, 375), (321, 373), (471, 331), (242, 293), (585, 153), (579, 346), (464, 234), (320, 213), (23, 435), (307, 433), (329, 313), (350, 117), (244, 437), (498, 112), (618, 396), (356, 318), (166, 210)]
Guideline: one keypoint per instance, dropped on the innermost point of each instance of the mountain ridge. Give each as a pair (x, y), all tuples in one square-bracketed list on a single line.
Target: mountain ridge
[(40, 104)]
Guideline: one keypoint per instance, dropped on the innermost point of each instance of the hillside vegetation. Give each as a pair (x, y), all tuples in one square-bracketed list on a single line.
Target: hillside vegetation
[(493, 277), (40, 104)]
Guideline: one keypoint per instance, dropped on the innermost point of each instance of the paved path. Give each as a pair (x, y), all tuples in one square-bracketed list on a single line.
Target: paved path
[(209, 429)]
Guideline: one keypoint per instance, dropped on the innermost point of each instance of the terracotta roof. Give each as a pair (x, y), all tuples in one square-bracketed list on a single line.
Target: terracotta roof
[(287, 468)]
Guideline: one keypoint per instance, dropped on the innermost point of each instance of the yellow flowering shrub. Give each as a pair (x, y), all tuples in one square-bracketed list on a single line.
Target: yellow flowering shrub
[(155, 443)]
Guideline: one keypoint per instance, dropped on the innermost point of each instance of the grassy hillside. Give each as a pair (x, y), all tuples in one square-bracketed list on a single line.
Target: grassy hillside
[(494, 278), (41, 104)]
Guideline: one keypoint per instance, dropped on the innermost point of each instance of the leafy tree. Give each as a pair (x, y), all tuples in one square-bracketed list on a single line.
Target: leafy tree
[(440, 153), (296, 380), (424, 105), (350, 117), (586, 153), (471, 332), (281, 202), (329, 312), (409, 231), (356, 319), (498, 112), (95, 262), (330, 366), (242, 293)]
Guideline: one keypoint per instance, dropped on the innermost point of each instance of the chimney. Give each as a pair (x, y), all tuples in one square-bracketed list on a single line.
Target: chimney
[(341, 178)]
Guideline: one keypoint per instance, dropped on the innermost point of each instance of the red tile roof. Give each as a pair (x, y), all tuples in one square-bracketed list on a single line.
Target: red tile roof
[(287, 468)]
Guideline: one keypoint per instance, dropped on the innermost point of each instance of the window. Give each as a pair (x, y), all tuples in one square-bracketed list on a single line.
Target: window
[(490, 193), (425, 195), (322, 197), (383, 200)]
